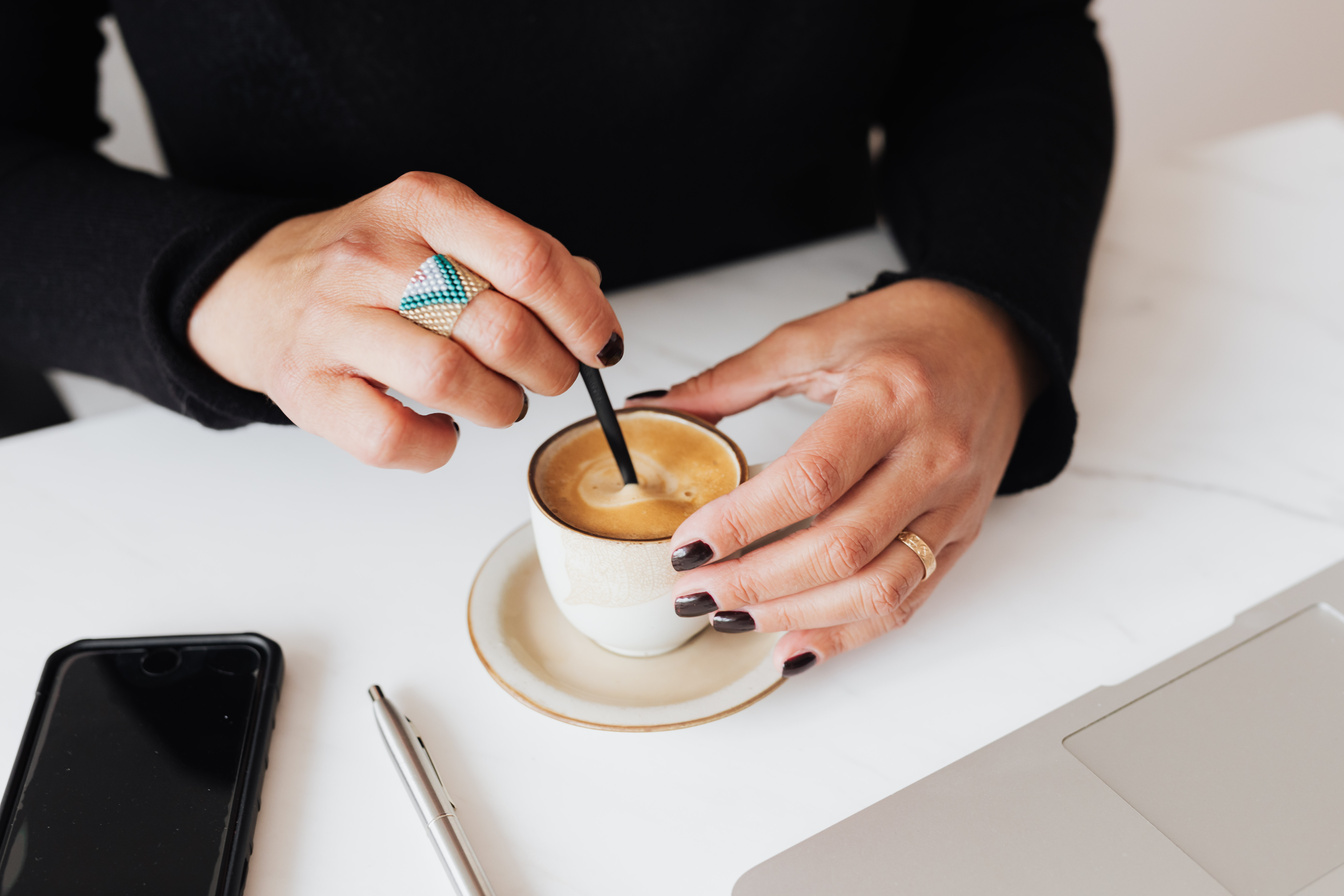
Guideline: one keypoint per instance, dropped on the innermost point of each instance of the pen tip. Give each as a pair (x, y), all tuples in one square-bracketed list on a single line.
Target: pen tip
[(375, 693)]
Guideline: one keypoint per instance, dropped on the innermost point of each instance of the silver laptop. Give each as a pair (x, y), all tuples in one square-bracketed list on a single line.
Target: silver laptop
[(1218, 771)]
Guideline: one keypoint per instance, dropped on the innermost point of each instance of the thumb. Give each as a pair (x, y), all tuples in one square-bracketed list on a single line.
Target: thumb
[(742, 381)]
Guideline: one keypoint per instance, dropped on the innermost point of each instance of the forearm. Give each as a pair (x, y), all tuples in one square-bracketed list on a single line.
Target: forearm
[(100, 268), (99, 265)]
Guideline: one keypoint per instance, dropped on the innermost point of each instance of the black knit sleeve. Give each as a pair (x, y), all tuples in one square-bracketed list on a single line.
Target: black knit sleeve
[(100, 266), (999, 135)]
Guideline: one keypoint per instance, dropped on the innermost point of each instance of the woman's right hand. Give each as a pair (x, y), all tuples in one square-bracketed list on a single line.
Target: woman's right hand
[(309, 317)]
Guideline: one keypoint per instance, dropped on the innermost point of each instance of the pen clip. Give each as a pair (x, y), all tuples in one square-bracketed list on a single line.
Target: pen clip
[(425, 757)]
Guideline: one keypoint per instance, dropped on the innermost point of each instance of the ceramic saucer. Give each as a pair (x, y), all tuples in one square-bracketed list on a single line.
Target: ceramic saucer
[(527, 646)]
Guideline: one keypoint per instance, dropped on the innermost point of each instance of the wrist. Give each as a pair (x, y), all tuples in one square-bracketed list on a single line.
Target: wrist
[(228, 325)]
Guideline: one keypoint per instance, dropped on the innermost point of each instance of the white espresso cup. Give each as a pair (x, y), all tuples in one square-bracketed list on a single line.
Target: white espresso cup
[(617, 591)]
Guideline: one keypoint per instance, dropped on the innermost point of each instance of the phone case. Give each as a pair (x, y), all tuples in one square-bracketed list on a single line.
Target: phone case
[(239, 846)]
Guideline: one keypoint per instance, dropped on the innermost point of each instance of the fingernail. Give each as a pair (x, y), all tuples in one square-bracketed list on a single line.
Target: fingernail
[(797, 665), (690, 556), (732, 622), (652, 393), (695, 604), (523, 412), (457, 429), (612, 352)]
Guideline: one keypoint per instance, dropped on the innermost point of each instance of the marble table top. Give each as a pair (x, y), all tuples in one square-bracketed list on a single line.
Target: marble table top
[(1208, 475)]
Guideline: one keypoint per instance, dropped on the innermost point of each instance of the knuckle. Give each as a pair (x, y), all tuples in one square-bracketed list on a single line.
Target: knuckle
[(830, 642), (380, 443), (814, 481), (502, 331), (417, 180), (354, 250), (909, 575), (408, 193), (416, 193), (593, 324), (747, 587), (530, 263), (845, 552), (900, 616), (564, 378), (913, 383), (436, 370), (782, 618), (880, 595), (737, 532), (700, 384), (414, 187), (955, 449), (949, 457), (555, 379), (900, 384)]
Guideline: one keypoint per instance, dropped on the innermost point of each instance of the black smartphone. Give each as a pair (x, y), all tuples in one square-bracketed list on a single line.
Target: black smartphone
[(140, 768)]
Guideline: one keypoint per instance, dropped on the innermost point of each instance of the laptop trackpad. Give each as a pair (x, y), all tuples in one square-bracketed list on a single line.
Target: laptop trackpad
[(1239, 762)]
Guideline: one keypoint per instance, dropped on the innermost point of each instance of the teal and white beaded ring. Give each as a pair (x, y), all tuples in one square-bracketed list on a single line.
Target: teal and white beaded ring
[(439, 291)]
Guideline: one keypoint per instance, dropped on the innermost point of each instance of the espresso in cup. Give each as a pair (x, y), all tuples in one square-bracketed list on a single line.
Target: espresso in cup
[(605, 546)]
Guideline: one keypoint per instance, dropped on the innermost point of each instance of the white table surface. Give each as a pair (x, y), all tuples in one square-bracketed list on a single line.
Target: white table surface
[(1208, 474)]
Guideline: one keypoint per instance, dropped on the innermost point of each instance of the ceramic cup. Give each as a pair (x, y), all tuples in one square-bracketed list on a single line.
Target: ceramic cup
[(617, 591)]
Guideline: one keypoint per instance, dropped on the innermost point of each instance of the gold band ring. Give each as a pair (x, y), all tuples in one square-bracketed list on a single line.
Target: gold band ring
[(439, 292), (921, 549)]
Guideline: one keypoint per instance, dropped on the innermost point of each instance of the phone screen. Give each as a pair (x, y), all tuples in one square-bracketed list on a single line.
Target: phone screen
[(131, 784)]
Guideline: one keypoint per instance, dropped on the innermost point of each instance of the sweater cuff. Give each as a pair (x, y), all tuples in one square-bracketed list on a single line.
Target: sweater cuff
[(1046, 438)]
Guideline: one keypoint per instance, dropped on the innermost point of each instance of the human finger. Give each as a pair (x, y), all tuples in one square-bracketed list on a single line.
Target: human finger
[(798, 651), (425, 366), (508, 338), (878, 589), (826, 461), (840, 543), (378, 430), (590, 268), (735, 384), (519, 260)]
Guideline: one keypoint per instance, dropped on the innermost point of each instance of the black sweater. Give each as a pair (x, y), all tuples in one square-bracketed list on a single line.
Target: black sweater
[(654, 140)]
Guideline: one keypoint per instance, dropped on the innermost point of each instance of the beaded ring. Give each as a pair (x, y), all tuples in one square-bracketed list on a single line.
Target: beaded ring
[(438, 293)]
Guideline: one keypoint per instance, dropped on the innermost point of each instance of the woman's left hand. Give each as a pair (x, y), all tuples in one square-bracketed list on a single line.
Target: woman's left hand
[(928, 385)]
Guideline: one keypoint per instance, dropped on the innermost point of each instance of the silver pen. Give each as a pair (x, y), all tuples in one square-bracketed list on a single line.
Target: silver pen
[(430, 798)]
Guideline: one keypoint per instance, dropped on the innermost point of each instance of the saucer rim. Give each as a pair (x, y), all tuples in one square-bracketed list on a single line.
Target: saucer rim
[(585, 723)]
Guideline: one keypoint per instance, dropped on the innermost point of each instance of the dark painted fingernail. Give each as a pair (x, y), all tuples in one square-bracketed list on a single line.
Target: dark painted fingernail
[(523, 412), (732, 622), (690, 556), (797, 665), (457, 429), (613, 351), (652, 393), (695, 604)]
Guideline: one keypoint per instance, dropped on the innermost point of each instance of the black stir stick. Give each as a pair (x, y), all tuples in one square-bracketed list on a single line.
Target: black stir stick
[(607, 417)]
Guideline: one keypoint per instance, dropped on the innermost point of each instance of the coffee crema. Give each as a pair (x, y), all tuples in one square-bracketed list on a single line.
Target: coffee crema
[(680, 466)]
